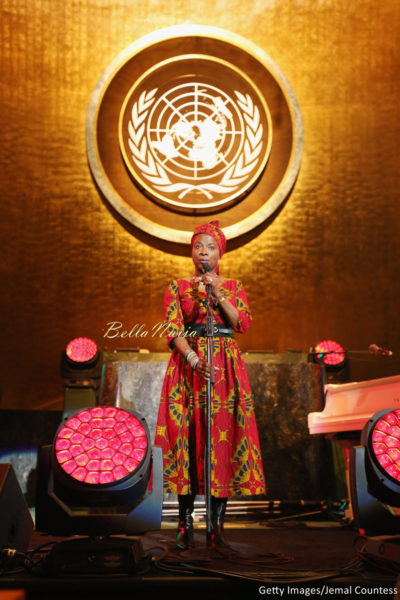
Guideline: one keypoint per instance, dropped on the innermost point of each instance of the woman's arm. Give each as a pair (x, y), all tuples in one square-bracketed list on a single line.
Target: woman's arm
[(182, 346), (229, 311), (173, 316)]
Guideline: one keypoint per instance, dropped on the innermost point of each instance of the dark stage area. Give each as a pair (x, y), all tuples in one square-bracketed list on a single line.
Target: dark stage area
[(309, 555)]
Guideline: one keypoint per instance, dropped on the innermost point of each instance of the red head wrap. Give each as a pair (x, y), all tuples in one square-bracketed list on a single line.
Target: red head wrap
[(213, 230)]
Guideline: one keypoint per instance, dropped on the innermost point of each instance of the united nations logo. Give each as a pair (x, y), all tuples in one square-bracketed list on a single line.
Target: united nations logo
[(173, 137), (193, 143)]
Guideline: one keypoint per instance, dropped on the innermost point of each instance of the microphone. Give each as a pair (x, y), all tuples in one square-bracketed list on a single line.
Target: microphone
[(374, 349), (205, 268)]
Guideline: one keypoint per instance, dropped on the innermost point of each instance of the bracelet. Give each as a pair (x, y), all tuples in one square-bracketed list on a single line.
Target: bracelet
[(191, 358), (220, 300)]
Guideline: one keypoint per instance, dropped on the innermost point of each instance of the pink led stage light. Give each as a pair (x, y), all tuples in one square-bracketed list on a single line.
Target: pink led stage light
[(336, 354), (101, 445), (81, 349)]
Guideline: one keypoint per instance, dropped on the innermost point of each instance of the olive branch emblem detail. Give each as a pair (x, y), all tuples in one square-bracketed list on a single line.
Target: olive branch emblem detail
[(155, 173)]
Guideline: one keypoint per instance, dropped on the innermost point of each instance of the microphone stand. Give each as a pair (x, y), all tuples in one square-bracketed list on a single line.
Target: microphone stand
[(210, 383)]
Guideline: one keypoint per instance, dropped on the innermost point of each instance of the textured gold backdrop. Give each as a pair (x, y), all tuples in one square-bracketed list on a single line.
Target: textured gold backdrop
[(326, 266)]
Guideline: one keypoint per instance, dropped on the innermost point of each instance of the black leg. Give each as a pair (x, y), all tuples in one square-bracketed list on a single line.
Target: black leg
[(217, 537), (184, 535)]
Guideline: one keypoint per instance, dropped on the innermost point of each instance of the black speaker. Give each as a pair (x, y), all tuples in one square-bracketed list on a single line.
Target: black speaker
[(16, 525)]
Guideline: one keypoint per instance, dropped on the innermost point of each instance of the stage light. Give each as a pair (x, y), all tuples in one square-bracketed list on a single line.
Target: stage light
[(101, 445), (81, 360), (81, 350), (81, 366), (381, 438), (100, 477), (330, 352), (375, 475), (332, 359)]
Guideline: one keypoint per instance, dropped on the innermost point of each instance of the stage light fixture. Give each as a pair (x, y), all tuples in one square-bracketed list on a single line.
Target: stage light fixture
[(100, 477), (81, 360), (81, 350), (81, 366), (330, 352), (101, 445), (332, 359), (375, 475)]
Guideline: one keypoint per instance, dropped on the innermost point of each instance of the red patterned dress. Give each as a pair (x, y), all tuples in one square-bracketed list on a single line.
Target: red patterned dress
[(181, 426)]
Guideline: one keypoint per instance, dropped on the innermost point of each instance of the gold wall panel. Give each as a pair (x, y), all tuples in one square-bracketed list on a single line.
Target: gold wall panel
[(328, 265)]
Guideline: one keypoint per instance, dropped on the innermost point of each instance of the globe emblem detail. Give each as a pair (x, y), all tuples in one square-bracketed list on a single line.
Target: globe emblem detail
[(195, 145)]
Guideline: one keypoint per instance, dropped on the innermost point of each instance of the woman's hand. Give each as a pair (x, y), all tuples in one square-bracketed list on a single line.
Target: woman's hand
[(203, 368), (214, 281)]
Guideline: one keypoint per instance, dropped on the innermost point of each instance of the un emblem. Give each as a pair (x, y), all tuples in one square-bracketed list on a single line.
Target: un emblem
[(174, 137), (193, 142)]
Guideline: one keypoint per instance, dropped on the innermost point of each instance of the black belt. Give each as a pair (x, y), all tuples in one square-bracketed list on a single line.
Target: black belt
[(200, 330)]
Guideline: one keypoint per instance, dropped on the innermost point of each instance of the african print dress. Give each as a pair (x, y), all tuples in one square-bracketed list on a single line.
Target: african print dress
[(181, 426)]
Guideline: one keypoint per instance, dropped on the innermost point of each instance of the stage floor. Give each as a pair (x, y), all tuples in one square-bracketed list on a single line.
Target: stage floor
[(282, 559)]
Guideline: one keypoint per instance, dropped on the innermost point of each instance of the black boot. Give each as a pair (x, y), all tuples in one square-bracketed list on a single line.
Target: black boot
[(217, 536), (184, 535)]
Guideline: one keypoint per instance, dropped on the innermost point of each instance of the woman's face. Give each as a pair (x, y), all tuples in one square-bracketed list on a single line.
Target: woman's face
[(205, 250)]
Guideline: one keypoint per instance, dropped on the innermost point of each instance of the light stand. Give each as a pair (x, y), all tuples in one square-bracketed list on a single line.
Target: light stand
[(320, 358)]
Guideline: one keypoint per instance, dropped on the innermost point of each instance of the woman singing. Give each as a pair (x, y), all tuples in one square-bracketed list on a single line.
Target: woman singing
[(236, 466)]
